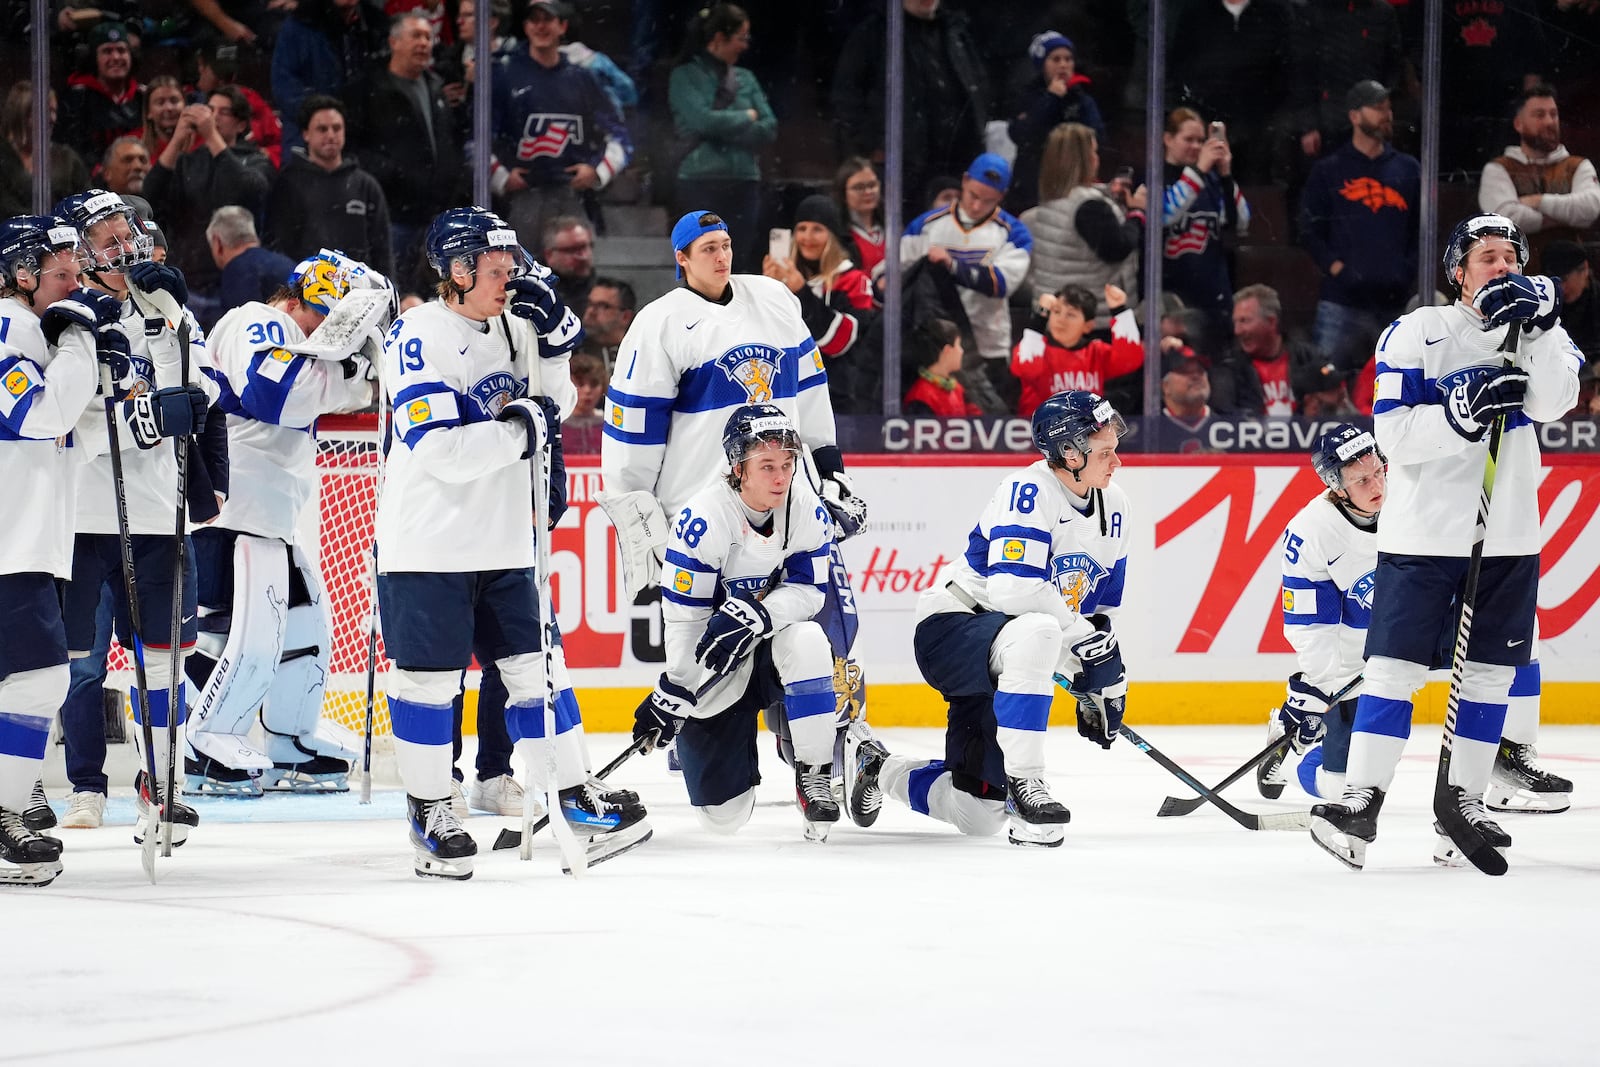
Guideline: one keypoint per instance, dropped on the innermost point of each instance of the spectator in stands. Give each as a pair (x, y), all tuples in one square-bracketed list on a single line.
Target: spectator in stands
[(947, 95), (934, 348), (1338, 43), (1058, 95), (556, 134), (1358, 219), (835, 302), (125, 167), (723, 121), (986, 252), (1580, 308), (235, 22), (1491, 52), (1185, 398), (606, 318), (163, 106), (104, 105), (1537, 184), (619, 87), (67, 171), (589, 378), (405, 135), (1202, 204), (322, 199), (1084, 233), (858, 192), (463, 51), (566, 245), (217, 67), (1057, 353), (1323, 392), (246, 271), (323, 48), (1255, 375), (941, 190)]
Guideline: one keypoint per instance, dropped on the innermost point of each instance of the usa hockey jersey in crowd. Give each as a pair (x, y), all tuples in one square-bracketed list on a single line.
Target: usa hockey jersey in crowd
[(271, 399), (1328, 565), (1033, 549), (684, 366), (1435, 474), (43, 393), (457, 494), (991, 259), (715, 551), (548, 118)]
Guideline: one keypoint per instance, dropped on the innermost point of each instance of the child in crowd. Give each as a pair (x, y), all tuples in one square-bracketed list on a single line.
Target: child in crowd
[(936, 347)]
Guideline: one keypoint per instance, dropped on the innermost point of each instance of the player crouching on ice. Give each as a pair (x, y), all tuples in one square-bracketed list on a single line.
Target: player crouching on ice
[(478, 381), (746, 572), (1026, 601)]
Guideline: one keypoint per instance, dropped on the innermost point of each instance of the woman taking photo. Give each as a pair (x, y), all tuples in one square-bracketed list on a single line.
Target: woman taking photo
[(1201, 204)]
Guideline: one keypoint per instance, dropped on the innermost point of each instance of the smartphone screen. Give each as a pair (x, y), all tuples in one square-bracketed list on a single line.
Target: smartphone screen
[(1219, 132), (780, 244)]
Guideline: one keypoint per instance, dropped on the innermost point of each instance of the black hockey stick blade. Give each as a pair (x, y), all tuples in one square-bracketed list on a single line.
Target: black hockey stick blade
[(1478, 852), (1174, 806), (513, 838), (1290, 820)]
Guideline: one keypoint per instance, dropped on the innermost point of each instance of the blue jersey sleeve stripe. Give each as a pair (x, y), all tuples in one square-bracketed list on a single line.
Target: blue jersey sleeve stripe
[(633, 400), (1028, 532), (264, 397), (649, 436), (1413, 383), (1109, 592), (410, 437), (424, 389), (689, 563), (1021, 570), (685, 601)]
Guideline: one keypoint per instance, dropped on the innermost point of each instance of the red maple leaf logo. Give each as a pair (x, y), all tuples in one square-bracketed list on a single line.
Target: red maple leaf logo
[(1478, 33), (1373, 193)]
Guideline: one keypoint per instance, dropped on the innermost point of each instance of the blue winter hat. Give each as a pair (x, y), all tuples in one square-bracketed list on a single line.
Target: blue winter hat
[(991, 170), (692, 227), (1045, 43)]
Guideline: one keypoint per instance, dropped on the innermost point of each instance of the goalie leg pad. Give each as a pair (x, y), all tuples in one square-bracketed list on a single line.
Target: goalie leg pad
[(641, 536), (293, 712)]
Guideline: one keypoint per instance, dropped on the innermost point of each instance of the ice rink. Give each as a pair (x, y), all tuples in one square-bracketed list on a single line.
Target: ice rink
[(292, 930)]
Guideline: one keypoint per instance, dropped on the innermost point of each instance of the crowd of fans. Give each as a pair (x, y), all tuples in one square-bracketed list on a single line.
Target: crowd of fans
[(266, 129)]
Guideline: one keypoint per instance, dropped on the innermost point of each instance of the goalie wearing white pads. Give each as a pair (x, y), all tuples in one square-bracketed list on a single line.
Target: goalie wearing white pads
[(475, 378), (1030, 597), (264, 631), (746, 571)]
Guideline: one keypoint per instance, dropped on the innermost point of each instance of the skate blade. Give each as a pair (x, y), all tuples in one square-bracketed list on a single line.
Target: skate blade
[(141, 833), (1350, 851), (1521, 802), (195, 785), (1037, 835), (866, 810), (30, 875), (431, 866), (605, 848), (280, 781)]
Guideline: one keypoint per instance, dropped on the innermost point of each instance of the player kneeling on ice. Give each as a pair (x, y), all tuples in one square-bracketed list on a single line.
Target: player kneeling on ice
[(478, 379), (1027, 600), (264, 637), (746, 572)]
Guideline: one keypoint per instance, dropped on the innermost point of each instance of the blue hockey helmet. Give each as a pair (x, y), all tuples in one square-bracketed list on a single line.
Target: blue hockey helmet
[(91, 207), (1067, 420), (752, 425), (468, 232), (1339, 447), (26, 240), (1470, 231)]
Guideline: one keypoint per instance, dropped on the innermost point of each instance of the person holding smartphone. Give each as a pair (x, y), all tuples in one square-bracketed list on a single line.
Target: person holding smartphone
[(1200, 204), (1057, 94)]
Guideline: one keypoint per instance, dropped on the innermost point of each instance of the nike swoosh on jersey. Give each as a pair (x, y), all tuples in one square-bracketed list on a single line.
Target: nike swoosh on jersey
[(1336, 559), (464, 349), (1514, 644), (1435, 341), (692, 325)]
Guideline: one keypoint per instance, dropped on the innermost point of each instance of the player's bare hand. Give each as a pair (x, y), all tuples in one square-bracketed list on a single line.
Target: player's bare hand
[(584, 176)]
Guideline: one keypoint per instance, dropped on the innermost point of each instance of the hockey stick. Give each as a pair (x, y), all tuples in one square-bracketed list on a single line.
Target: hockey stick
[(180, 452), (1478, 852), (1291, 820), (1172, 806), (372, 602), (514, 838)]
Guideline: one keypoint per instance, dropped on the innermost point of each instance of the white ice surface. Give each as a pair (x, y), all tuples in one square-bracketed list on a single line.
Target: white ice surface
[(292, 930)]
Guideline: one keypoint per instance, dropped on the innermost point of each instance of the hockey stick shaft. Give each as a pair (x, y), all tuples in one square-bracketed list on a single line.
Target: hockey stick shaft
[(372, 604), (180, 452), (514, 838)]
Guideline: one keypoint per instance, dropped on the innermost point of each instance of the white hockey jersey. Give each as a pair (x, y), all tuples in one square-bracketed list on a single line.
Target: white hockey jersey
[(1435, 475), (272, 400), (1034, 550), (715, 552), (1328, 578), (683, 367), (457, 494), (150, 476), (44, 391), (990, 259)]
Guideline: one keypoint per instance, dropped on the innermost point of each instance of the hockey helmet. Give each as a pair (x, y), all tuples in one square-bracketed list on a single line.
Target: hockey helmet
[(1470, 231), (322, 280), (752, 425), (468, 232), (26, 240), (1339, 447), (93, 206), (1067, 420)]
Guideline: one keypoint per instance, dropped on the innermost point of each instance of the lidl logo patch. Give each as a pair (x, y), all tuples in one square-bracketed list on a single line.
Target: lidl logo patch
[(282, 355), (1288, 600), (17, 382), (683, 582), (418, 411), (1013, 550), (616, 415)]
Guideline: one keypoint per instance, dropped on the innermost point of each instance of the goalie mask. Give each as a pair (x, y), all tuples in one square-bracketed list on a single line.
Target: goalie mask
[(322, 280)]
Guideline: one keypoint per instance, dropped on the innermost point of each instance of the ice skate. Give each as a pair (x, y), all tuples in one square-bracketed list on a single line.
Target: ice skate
[(443, 848), (85, 811), (27, 858), (864, 763), (147, 816), (319, 774), (1484, 835), (1344, 828), (206, 777), (503, 795), (1270, 778), (611, 824), (1519, 786), (1036, 818), (813, 792), (39, 815)]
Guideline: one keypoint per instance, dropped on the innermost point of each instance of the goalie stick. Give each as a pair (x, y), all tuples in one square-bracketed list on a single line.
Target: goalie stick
[(372, 601), (513, 838)]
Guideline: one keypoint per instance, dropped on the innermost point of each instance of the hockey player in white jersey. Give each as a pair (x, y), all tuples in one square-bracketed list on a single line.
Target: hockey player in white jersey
[(1443, 380), (477, 378), (746, 571), (1030, 597), (118, 251), (264, 632)]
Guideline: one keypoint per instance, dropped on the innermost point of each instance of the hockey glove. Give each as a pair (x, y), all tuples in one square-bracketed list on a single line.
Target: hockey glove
[(662, 713), (731, 632), (849, 511), (1099, 714), (1301, 716), (558, 460), (1471, 406), (89, 308), (531, 415), (176, 412), (1100, 657), (111, 349), (160, 278), (1535, 302), (536, 300)]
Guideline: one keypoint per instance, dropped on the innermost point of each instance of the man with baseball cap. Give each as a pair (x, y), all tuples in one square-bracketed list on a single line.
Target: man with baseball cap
[(104, 105)]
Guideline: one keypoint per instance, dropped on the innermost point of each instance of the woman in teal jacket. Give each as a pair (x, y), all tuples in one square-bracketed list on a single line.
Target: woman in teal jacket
[(723, 119)]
